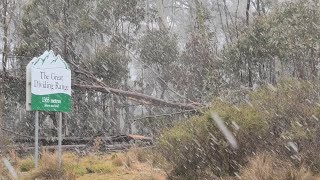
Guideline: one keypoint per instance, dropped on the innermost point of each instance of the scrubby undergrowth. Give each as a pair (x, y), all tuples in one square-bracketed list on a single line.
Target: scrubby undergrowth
[(281, 121), (136, 164), (277, 130)]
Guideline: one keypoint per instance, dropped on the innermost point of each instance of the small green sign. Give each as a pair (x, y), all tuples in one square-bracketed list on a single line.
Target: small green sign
[(50, 81)]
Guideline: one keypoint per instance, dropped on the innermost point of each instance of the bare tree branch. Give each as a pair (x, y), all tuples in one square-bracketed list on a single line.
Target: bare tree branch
[(161, 115)]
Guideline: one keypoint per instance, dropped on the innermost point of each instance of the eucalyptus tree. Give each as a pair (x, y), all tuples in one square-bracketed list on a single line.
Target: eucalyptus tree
[(79, 30), (8, 18), (120, 22), (284, 43)]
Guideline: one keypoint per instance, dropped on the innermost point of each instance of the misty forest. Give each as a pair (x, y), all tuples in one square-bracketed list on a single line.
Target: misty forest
[(164, 89)]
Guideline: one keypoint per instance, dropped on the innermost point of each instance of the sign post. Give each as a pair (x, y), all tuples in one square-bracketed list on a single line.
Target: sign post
[(36, 139), (60, 139), (48, 85)]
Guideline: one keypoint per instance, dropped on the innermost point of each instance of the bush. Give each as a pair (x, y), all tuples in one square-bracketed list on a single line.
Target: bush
[(26, 165), (49, 169), (267, 121)]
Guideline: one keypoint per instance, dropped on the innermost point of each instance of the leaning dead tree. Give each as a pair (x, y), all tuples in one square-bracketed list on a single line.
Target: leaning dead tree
[(142, 98)]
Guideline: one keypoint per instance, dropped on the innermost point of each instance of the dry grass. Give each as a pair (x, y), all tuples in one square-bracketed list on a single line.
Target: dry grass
[(14, 161), (49, 169), (268, 167), (117, 161), (3, 172), (141, 155), (127, 165), (6, 149)]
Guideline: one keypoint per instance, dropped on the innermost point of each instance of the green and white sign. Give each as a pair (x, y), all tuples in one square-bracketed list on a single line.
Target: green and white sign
[(48, 84)]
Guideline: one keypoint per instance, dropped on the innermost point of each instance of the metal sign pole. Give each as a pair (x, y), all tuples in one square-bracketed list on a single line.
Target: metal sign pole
[(60, 139), (36, 139)]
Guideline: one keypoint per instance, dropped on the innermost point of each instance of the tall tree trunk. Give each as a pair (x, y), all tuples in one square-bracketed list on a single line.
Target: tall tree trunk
[(250, 74), (247, 11), (164, 88), (236, 18), (227, 14), (104, 112), (162, 22), (222, 24), (5, 35), (200, 17), (4, 60), (262, 7), (314, 71), (115, 115), (2, 102), (273, 71), (127, 124), (258, 7), (65, 54), (148, 14)]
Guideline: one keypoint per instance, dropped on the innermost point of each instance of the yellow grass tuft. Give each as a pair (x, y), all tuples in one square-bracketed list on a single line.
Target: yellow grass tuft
[(268, 167), (118, 161), (49, 169)]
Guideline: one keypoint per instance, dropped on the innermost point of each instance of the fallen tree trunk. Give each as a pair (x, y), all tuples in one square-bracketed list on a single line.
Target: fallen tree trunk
[(139, 97), (49, 148), (134, 96)]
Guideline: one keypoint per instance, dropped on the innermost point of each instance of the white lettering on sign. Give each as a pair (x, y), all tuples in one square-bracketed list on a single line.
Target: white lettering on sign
[(55, 101), (45, 99)]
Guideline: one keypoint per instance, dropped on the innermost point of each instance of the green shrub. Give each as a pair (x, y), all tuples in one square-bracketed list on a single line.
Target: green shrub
[(268, 121), (100, 168), (26, 165)]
